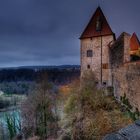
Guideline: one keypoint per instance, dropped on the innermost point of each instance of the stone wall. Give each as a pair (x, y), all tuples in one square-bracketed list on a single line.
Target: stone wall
[(126, 80), (126, 47), (120, 50), (125, 74), (117, 53), (94, 44)]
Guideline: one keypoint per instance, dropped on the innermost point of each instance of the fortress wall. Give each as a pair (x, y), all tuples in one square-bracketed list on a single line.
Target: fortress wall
[(120, 51), (126, 80), (126, 48)]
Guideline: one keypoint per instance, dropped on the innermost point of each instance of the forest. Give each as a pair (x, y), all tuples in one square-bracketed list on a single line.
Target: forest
[(21, 80)]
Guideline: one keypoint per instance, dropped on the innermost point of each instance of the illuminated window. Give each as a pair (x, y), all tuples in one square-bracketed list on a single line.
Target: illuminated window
[(98, 24), (89, 53)]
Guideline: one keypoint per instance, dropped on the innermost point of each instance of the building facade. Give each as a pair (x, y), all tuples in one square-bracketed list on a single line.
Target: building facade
[(94, 47), (115, 62)]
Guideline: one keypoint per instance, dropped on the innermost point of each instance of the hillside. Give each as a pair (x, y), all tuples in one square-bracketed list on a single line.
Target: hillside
[(20, 80)]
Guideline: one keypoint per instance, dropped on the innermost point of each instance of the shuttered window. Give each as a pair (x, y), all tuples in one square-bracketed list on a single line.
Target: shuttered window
[(105, 66)]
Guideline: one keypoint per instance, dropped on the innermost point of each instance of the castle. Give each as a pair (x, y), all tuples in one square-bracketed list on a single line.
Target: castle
[(115, 62)]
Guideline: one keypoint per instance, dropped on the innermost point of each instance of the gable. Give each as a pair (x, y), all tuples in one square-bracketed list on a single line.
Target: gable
[(134, 43), (91, 29)]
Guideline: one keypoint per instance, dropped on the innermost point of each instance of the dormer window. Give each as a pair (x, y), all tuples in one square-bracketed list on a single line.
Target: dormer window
[(98, 24)]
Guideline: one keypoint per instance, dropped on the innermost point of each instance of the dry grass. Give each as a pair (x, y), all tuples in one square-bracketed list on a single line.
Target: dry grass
[(91, 114)]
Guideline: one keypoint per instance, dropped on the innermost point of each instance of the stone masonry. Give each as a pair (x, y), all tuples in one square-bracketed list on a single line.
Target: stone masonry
[(115, 62), (94, 62)]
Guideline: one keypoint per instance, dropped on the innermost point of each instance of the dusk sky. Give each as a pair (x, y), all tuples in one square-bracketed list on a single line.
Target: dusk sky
[(46, 32)]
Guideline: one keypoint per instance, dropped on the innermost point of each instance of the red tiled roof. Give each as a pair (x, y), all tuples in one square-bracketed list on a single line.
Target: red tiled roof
[(90, 30), (134, 42)]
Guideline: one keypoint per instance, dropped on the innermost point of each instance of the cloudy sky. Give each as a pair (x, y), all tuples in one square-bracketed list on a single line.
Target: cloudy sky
[(46, 32)]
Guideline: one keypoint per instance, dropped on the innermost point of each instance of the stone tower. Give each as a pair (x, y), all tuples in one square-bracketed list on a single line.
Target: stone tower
[(95, 42)]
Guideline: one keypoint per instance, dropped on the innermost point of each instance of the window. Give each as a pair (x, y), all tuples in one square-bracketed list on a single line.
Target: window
[(98, 24), (105, 66), (88, 66), (89, 53), (104, 83), (96, 82)]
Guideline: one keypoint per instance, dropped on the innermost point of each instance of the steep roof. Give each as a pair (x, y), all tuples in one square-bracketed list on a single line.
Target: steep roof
[(134, 42), (90, 30)]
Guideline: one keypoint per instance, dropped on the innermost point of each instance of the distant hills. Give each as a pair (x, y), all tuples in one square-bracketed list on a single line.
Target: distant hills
[(56, 74), (44, 67), (21, 80)]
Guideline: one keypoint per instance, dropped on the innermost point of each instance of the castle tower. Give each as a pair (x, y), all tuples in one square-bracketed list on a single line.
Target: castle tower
[(94, 47)]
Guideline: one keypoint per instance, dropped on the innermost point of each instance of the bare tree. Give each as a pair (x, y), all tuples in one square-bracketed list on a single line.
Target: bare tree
[(38, 111)]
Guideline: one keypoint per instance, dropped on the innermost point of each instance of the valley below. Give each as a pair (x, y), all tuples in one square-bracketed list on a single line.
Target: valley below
[(16, 84)]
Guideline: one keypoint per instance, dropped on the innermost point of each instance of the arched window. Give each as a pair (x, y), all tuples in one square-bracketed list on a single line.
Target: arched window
[(89, 53), (98, 24)]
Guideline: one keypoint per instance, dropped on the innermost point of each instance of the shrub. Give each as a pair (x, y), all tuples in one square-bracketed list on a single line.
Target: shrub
[(13, 123), (134, 115), (38, 111)]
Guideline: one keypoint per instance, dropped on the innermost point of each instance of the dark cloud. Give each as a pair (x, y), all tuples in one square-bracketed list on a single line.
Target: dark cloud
[(46, 32)]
